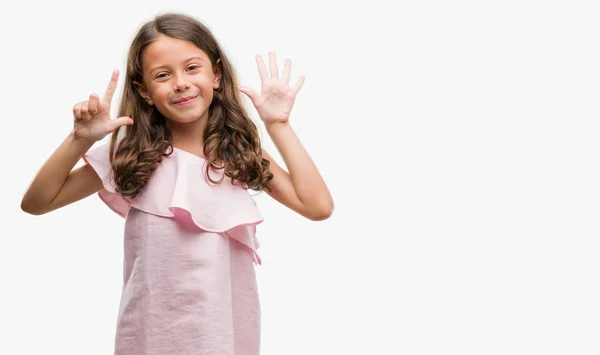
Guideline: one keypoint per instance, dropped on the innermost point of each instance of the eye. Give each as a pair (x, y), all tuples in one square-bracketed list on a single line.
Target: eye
[(160, 75), (193, 67)]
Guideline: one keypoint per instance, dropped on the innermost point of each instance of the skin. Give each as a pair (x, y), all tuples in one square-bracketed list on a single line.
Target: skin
[(172, 70)]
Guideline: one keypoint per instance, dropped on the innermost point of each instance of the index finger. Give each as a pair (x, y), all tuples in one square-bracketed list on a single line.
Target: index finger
[(112, 86), (262, 70)]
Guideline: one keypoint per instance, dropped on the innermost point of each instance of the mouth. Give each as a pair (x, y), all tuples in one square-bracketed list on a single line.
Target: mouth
[(185, 100)]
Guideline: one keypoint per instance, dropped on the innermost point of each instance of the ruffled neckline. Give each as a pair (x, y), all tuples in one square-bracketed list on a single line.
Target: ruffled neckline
[(179, 189)]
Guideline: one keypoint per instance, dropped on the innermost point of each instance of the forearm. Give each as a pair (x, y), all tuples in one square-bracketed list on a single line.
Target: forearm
[(308, 182), (53, 174)]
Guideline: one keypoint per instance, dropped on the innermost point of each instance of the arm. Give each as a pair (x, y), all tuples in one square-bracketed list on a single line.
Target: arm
[(302, 189), (56, 184)]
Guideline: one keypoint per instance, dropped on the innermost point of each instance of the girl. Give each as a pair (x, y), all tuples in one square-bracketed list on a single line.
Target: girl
[(180, 175)]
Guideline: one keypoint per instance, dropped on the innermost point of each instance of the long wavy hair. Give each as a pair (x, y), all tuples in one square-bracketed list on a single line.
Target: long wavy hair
[(231, 140)]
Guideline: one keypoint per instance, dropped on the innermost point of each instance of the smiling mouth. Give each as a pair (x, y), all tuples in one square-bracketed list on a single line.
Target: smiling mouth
[(187, 101)]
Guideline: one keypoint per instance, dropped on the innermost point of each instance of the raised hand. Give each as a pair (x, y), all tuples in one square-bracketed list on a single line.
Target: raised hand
[(92, 117), (276, 99)]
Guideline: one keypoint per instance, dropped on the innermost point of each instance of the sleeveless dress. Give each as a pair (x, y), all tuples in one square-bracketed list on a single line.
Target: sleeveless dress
[(189, 283)]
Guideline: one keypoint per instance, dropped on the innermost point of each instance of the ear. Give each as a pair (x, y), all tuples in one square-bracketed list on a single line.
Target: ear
[(217, 73), (143, 92)]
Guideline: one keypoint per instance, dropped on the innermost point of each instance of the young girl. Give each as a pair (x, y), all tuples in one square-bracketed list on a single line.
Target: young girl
[(180, 176)]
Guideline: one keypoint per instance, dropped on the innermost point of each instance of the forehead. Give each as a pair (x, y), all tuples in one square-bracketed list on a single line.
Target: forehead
[(169, 51)]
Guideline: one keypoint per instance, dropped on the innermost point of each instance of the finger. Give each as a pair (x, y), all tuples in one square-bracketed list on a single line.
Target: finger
[(77, 111), (273, 66), (102, 106), (251, 94), (93, 104), (287, 68), (121, 121), (85, 115), (262, 70), (112, 87), (298, 85)]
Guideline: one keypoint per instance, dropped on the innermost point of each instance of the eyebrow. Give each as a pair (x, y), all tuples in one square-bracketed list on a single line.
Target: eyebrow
[(185, 61)]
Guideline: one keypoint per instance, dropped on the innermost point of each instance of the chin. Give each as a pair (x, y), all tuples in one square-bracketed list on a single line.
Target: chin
[(189, 117)]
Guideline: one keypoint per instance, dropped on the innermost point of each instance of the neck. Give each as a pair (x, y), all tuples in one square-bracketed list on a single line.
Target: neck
[(189, 136)]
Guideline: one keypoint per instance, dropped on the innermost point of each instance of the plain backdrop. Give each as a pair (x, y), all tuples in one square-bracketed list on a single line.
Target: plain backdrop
[(459, 140)]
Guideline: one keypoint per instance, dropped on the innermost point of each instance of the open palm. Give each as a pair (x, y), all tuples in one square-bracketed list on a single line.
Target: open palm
[(276, 99)]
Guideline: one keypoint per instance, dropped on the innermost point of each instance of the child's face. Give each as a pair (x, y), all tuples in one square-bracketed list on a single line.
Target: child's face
[(174, 69)]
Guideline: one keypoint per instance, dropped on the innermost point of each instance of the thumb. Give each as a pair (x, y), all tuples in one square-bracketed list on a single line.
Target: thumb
[(250, 93), (121, 121)]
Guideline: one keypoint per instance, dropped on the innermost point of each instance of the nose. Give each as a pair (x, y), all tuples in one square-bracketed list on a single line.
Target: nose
[(180, 83)]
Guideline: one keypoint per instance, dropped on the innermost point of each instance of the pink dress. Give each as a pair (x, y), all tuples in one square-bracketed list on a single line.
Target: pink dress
[(189, 283)]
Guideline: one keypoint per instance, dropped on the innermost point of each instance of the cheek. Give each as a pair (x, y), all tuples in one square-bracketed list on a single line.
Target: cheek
[(206, 82), (161, 92), (160, 95)]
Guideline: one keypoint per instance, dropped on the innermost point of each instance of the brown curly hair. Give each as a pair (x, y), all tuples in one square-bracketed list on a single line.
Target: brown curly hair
[(231, 140)]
